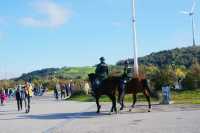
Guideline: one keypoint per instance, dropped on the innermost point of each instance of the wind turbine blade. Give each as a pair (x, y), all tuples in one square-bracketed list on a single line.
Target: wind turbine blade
[(184, 12), (193, 7)]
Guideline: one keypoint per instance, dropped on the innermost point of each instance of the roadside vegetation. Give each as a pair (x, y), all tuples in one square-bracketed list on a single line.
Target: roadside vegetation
[(177, 67), (178, 97)]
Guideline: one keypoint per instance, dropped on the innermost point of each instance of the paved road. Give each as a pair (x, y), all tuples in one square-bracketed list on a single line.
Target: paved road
[(50, 116)]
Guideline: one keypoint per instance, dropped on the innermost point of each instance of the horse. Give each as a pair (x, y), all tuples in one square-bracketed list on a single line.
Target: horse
[(134, 86), (108, 87)]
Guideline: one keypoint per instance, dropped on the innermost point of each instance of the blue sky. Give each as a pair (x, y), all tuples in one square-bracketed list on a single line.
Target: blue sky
[(37, 34)]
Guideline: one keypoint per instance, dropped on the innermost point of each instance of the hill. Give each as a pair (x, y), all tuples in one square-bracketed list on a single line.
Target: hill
[(178, 56), (61, 73), (38, 74), (74, 72)]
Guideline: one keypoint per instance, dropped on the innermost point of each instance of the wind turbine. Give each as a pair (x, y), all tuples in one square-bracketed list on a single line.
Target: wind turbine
[(191, 14), (136, 72)]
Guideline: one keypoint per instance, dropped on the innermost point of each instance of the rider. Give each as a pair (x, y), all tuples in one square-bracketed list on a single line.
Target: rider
[(125, 77), (101, 71), (125, 74)]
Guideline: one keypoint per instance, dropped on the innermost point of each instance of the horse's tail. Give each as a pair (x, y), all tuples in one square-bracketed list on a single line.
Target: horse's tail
[(146, 85)]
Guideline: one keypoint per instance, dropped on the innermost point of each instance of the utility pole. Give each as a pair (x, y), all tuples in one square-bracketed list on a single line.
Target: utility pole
[(136, 72)]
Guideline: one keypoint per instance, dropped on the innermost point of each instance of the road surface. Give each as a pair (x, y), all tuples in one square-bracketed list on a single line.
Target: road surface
[(50, 116)]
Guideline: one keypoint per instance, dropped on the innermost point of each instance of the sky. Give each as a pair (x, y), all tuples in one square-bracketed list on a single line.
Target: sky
[(36, 34)]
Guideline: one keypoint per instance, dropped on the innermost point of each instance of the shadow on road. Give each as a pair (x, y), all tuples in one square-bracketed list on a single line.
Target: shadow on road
[(55, 116)]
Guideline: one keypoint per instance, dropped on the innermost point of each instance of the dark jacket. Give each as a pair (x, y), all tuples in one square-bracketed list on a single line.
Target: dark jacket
[(18, 95), (102, 71)]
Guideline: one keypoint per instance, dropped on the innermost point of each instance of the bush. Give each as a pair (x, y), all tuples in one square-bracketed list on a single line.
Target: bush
[(163, 77), (192, 79)]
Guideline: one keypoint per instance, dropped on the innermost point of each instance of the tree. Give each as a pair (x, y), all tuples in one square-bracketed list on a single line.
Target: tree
[(162, 77), (192, 79)]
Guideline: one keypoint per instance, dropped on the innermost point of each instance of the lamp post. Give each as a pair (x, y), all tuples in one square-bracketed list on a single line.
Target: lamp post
[(136, 72)]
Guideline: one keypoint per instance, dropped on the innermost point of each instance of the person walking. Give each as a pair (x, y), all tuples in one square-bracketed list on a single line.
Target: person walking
[(10, 93), (62, 91), (2, 96), (28, 95), (67, 86), (56, 93), (56, 90), (18, 98)]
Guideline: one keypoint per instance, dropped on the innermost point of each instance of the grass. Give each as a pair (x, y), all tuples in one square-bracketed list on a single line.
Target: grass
[(88, 98), (179, 97), (186, 97)]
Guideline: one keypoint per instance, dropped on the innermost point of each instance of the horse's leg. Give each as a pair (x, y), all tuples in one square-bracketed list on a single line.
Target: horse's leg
[(122, 101), (147, 95), (122, 104), (114, 104), (134, 101), (121, 96), (98, 105), (113, 108)]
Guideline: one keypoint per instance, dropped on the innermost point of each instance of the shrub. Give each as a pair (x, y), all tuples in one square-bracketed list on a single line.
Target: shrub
[(163, 77), (192, 79)]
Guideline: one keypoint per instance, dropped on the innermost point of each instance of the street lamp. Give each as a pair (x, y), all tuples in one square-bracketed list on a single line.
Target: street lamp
[(136, 72)]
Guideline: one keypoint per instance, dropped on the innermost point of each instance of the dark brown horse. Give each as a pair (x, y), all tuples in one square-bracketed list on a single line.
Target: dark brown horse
[(107, 87), (134, 86)]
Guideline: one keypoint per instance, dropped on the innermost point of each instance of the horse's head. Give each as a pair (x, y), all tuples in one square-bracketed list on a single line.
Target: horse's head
[(92, 77)]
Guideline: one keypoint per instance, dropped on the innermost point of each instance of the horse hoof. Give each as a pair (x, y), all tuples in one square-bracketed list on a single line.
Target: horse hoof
[(130, 110), (121, 108), (116, 111), (149, 110)]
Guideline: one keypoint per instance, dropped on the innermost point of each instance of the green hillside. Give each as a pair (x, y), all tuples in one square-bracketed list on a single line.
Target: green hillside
[(74, 72), (62, 73), (178, 57)]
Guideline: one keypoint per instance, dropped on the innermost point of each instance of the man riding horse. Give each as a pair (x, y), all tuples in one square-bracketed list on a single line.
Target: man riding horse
[(103, 85), (126, 76), (101, 72)]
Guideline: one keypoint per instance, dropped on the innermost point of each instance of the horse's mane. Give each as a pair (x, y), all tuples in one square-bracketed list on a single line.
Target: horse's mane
[(114, 77)]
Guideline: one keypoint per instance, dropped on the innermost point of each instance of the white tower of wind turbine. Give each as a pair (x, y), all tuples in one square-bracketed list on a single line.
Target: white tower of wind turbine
[(136, 72), (191, 14)]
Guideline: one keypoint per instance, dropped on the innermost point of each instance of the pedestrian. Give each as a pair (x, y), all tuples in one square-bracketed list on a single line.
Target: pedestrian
[(10, 92), (3, 96), (18, 98), (23, 95), (6, 92), (57, 90), (28, 95), (67, 86), (56, 93), (62, 91)]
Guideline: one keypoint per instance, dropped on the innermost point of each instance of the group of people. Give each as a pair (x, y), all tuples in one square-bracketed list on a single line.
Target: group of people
[(39, 90), (64, 89), (5, 94), (24, 94)]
